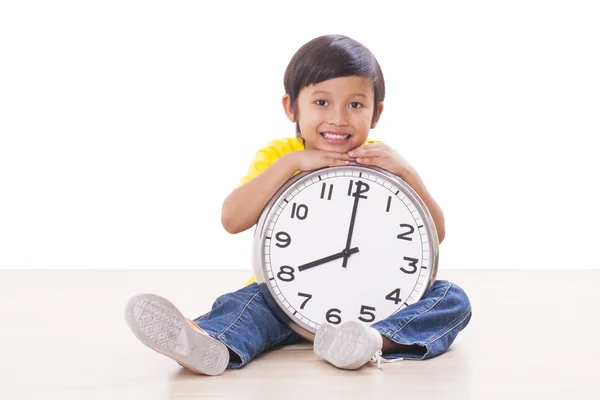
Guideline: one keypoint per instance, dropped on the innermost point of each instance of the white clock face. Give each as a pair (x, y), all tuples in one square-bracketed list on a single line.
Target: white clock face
[(324, 265)]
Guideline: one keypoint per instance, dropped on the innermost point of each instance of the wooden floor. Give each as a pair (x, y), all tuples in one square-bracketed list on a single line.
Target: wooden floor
[(533, 335)]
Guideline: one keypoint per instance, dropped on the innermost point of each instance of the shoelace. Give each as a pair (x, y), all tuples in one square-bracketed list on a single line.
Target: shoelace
[(378, 358)]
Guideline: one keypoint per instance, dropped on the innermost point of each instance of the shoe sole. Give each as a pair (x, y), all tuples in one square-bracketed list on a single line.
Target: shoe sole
[(342, 346), (158, 324)]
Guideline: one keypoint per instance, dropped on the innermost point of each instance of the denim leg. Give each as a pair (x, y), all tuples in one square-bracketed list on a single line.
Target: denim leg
[(244, 323), (431, 324)]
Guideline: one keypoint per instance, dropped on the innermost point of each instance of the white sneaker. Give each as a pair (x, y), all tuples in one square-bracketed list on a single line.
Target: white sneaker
[(349, 346), (158, 324)]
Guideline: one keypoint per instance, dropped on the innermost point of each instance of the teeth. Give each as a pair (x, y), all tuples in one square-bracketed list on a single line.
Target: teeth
[(332, 136)]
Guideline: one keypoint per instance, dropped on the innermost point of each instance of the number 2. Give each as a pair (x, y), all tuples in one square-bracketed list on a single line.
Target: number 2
[(411, 229)]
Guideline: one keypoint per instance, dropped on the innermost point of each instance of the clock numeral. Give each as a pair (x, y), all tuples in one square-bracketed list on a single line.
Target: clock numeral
[(412, 262), (286, 273), (308, 297), (389, 203), (411, 229), (332, 318), (283, 237), (361, 187), (394, 296), (364, 310), (323, 189), (299, 211)]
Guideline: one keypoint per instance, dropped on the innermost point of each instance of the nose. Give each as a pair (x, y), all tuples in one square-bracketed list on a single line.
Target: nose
[(338, 115)]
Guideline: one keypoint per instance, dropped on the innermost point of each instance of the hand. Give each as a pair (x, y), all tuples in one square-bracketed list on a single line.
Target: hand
[(381, 155), (324, 260), (314, 159)]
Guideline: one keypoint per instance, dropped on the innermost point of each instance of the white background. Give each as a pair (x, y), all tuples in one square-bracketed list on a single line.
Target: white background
[(125, 124)]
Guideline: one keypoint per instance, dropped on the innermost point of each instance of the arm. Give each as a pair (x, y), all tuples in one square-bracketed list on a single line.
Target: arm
[(382, 155), (242, 208), (414, 180)]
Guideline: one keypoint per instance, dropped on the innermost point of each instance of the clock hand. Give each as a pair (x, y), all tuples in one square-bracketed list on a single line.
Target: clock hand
[(357, 195), (343, 253)]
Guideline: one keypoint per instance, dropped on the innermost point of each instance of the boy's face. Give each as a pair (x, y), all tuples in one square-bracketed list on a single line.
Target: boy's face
[(335, 115)]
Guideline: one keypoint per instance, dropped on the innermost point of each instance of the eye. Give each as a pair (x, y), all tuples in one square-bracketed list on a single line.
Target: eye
[(355, 104), (321, 102)]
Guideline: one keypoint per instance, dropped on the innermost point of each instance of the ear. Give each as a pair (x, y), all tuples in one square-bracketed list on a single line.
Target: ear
[(287, 107), (376, 119)]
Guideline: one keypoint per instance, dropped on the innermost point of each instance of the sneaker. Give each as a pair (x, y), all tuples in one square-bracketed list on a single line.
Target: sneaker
[(349, 346), (158, 324)]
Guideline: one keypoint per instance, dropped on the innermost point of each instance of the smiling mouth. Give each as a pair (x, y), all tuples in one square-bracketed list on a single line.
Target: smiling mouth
[(336, 137)]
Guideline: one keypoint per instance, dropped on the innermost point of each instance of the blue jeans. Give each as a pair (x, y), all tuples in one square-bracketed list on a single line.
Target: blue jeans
[(243, 321)]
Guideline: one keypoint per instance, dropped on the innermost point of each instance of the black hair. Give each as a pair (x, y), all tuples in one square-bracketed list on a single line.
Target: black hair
[(328, 57)]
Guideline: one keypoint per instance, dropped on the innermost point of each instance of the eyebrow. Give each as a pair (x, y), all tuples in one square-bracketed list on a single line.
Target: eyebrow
[(351, 95)]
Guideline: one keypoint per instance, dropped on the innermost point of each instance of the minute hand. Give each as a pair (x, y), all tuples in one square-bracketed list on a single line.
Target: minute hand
[(351, 229), (327, 259), (361, 187)]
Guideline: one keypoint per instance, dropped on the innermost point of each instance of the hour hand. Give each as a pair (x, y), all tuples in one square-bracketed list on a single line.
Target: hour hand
[(344, 253)]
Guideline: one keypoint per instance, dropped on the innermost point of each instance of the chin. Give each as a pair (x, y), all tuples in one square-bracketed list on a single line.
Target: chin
[(340, 148)]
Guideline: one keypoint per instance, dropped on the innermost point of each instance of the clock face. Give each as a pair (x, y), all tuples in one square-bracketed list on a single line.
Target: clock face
[(347, 243)]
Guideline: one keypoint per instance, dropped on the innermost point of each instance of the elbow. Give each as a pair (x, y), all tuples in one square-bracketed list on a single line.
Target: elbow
[(441, 231), (227, 224), (441, 227), (229, 219)]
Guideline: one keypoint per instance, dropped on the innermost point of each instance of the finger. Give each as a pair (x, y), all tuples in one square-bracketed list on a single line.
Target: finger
[(333, 162), (338, 156), (367, 160), (366, 151)]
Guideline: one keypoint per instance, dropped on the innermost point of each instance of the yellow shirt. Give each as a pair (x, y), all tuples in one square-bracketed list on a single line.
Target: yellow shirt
[(268, 155)]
